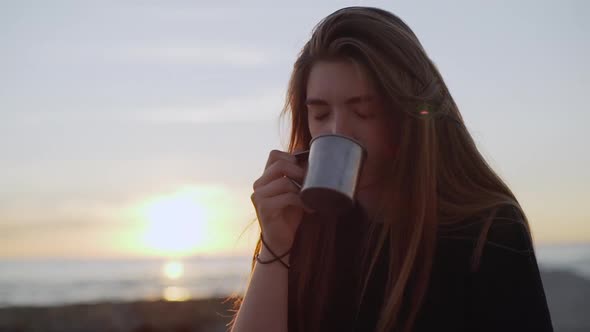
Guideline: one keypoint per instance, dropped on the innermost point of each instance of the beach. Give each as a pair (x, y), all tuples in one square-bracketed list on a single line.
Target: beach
[(137, 316), (568, 297)]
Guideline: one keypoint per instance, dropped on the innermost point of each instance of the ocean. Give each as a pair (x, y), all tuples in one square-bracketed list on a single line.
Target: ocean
[(57, 282)]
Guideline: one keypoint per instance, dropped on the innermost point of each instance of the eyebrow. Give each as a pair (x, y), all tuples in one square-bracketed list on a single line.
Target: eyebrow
[(349, 101)]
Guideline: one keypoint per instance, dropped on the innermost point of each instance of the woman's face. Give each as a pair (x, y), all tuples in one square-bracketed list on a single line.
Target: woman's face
[(342, 100)]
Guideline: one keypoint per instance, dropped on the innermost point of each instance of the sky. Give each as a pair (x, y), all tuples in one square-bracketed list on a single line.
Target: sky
[(136, 128)]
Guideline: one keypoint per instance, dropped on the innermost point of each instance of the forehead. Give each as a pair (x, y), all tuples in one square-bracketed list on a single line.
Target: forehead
[(337, 80)]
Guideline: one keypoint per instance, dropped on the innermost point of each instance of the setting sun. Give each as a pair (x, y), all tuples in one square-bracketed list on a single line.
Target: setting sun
[(188, 221), (175, 224)]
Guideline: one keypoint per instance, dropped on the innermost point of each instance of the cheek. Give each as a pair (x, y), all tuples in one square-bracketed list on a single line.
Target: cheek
[(315, 128), (391, 138), (380, 151), (384, 146)]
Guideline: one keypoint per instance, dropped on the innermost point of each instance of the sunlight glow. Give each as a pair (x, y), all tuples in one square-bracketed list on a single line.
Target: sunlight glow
[(173, 270), (176, 224), (188, 221)]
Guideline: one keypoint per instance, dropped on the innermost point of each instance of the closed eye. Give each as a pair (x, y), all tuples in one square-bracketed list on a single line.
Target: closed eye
[(364, 114), (318, 112), (320, 116)]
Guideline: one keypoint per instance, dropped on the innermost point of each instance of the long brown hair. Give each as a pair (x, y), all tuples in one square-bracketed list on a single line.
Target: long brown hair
[(439, 178)]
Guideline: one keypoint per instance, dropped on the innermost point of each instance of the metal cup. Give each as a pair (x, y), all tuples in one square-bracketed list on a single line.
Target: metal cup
[(333, 171)]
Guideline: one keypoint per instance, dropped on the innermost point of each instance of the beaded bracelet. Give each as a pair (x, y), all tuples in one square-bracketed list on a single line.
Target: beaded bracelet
[(276, 257)]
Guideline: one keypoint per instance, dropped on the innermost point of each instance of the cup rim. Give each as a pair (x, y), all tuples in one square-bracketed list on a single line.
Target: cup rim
[(342, 136)]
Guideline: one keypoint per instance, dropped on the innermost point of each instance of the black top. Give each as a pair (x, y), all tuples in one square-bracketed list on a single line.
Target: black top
[(504, 294)]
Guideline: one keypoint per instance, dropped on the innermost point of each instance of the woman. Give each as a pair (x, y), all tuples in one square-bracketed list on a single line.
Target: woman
[(436, 240)]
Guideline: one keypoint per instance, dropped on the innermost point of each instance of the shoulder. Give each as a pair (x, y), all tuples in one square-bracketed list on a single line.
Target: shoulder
[(497, 234), (502, 227), (507, 231), (505, 287)]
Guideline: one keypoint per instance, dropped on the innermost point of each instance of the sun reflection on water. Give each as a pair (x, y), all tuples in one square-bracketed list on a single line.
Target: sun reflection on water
[(173, 271), (176, 294)]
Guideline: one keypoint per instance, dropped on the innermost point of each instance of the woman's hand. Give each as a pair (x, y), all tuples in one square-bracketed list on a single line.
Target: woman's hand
[(276, 199)]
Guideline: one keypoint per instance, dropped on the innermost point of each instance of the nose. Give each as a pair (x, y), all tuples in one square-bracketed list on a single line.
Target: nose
[(342, 124)]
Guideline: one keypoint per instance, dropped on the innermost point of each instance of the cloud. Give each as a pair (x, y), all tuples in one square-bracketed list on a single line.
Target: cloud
[(222, 109), (203, 55), (249, 109), (26, 213), (186, 53)]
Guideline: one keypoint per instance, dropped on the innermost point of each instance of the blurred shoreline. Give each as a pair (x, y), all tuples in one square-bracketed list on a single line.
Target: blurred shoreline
[(134, 316), (568, 296)]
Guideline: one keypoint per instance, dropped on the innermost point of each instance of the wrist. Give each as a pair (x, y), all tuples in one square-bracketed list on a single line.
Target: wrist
[(281, 257), (267, 255), (273, 245)]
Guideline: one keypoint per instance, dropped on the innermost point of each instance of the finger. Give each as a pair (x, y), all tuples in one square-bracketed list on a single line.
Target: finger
[(277, 187), (297, 184), (279, 169), (280, 202), (301, 156), (275, 155)]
